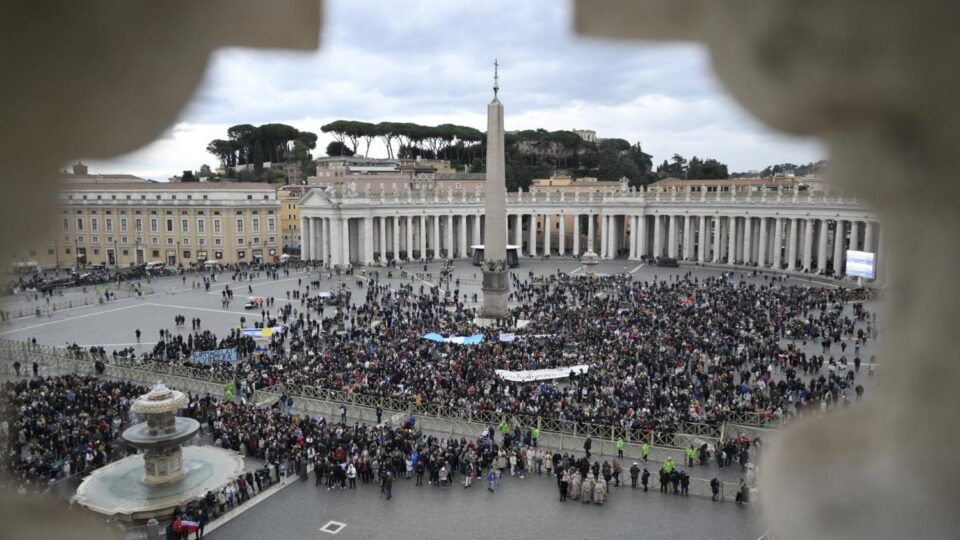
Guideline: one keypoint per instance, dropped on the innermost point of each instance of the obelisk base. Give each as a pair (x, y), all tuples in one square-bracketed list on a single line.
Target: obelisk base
[(496, 292)]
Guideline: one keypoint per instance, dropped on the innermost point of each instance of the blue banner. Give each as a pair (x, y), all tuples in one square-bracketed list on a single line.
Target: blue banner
[(218, 355)]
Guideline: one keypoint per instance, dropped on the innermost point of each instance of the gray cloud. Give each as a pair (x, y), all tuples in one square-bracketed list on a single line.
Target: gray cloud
[(432, 59)]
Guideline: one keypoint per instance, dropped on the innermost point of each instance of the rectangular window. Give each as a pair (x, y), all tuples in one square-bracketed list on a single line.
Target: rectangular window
[(217, 241), (239, 241), (202, 241), (93, 224), (123, 239), (66, 224), (256, 224), (123, 224), (240, 225), (201, 226), (169, 241), (154, 225), (216, 226), (186, 254), (139, 225), (186, 241), (155, 241), (184, 225), (169, 225), (79, 223), (271, 225), (109, 223), (95, 240)]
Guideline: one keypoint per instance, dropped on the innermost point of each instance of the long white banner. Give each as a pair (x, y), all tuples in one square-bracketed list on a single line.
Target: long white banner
[(541, 374)]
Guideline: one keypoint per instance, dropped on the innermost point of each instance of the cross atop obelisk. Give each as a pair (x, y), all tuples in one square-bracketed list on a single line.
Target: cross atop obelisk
[(496, 287)]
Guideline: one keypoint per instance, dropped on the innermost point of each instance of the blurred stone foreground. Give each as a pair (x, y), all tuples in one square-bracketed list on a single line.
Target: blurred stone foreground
[(872, 79), (875, 80), (100, 79)]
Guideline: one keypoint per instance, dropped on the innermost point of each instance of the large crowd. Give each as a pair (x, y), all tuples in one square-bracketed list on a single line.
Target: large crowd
[(659, 353)]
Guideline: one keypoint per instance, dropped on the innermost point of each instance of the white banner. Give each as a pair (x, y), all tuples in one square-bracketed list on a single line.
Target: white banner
[(541, 374)]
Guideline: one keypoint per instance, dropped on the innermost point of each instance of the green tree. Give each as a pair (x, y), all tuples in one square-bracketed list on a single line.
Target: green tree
[(337, 148)]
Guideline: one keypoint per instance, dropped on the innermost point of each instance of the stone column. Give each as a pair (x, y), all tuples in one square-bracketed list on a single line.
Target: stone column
[(762, 245), (590, 234), (688, 237), (396, 237), (305, 251), (838, 254), (633, 237), (409, 237), (854, 236), (732, 241), (562, 237), (672, 238), (792, 247), (547, 230), (477, 236), (778, 243), (435, 236), (518, 233), (316, 243), (702, 242), (868, 235), (383, 240), (822, 246), (642, 247), (463, 236), (657, 237), (808, 245), (449, 235), (716, 239), (748, 240), (367, 241), (532, 249), (423, 236), (345, 245), (576, 235)]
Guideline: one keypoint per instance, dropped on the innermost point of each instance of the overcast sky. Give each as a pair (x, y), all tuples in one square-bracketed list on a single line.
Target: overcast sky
[(430, 62)]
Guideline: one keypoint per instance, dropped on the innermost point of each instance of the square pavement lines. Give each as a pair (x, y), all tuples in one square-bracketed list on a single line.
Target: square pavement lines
[(333, 527)]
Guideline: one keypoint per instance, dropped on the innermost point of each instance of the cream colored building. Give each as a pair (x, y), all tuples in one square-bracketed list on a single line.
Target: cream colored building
[(119, 224)]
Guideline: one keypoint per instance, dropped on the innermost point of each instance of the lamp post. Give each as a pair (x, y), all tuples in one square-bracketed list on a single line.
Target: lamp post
[(116, 256), (76, 253), (137, 246)]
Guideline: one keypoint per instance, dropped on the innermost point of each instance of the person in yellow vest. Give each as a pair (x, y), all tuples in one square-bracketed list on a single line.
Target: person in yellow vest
[(691, 454), (620, 445), (645, 451), (669, 466), (418, 400), (534, 436)]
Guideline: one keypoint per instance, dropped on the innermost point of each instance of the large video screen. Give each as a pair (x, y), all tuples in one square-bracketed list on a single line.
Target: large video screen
[(860, 264)]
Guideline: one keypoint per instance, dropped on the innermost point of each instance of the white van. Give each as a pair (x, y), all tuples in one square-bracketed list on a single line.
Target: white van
[(154, 265)]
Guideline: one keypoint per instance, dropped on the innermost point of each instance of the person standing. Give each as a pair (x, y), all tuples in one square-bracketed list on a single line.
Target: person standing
[(386, 485), (620, 445), (714, 488), (634, 474), (343, 414), (352, 476), (644, 451), (564, 483), (645, 479), (691, 454), (587, 444), (491, 480)]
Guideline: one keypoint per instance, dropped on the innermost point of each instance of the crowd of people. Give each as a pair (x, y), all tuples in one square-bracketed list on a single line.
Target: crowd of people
[(660, 353), (55, 427)]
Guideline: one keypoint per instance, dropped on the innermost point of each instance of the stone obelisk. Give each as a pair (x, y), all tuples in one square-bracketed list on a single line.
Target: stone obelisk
[(496, 285)]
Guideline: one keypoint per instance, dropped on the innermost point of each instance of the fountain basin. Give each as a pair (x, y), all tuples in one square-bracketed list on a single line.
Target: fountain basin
[(119, 490)]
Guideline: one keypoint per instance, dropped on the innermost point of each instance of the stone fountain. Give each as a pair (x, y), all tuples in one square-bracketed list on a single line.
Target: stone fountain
[(166, 475)]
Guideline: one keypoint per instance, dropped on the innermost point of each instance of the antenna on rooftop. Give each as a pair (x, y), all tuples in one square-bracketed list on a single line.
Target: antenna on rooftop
[(496, 77)]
